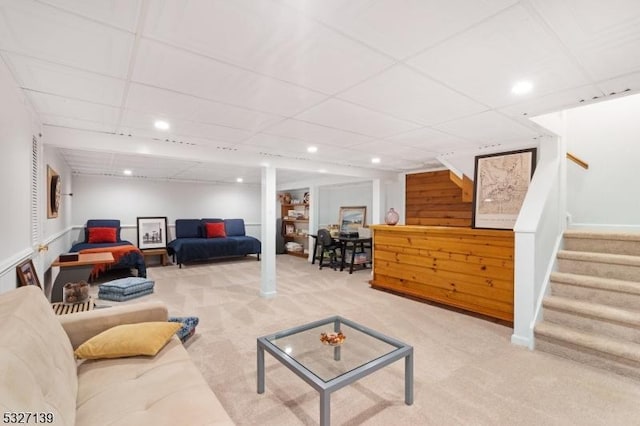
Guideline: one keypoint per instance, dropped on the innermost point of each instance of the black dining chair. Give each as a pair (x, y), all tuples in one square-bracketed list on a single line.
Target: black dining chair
[(329, 245)]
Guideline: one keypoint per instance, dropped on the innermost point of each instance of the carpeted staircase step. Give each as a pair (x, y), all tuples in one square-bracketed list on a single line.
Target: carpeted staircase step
[(606, 265), (603, 241), (593, 318), (598, 351), (608, 291)]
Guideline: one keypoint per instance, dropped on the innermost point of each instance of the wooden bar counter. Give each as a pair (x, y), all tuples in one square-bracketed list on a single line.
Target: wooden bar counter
[(467, 268)]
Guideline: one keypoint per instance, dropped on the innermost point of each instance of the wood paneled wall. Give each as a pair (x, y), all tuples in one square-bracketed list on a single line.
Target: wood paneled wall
[(467, 268), (433, 199)]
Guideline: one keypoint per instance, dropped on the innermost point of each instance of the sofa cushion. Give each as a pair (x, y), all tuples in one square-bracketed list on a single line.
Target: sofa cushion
[(234, 227), (144, 338), (188, 228), (167, 390), (101, 235), (215, 230), (36, 359)]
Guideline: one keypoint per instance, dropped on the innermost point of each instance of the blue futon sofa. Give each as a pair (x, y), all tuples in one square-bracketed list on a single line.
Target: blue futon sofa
[(192, 243)]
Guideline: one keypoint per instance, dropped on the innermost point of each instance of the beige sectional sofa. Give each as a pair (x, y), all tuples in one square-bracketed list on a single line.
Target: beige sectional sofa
[(40, 374)]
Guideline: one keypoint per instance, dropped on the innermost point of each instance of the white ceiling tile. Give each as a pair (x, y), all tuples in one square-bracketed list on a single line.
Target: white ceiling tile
[(400, 28), (553, 102), (60, 80), (37, 30), (429, 140), (267, 38), (70, 108), (183, 128), (163, 66), (405, 93), (74, 123), (385, 148), (178, 106), (346, 116), (486, 61), (488, 127), (629, 83), (601, 33), (277, 144), (314, 133), (119, 13)]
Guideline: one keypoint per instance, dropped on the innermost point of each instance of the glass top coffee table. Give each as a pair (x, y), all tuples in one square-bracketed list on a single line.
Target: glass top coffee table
[(328, 368)]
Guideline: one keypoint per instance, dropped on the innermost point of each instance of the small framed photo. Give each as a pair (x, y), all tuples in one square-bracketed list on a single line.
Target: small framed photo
[(27, 274), (352, 218), (152, 232)]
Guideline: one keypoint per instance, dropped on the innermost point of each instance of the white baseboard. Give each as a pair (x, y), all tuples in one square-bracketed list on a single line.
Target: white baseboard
[(605, 227)]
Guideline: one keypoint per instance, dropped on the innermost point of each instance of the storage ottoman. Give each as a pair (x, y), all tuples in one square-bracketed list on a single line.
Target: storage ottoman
[(125, 289)]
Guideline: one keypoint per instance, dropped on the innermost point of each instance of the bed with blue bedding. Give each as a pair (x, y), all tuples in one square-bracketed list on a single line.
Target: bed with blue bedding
[(193, 242), (103, 235)]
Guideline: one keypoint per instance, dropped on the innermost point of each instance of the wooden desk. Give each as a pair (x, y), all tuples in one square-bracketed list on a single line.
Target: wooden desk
[(76, 270)]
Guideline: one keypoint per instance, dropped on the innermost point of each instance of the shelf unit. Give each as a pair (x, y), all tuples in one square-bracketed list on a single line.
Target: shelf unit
[(296, 229)]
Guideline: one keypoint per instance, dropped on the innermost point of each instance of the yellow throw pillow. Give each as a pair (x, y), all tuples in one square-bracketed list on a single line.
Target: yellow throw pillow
[(145, 338)]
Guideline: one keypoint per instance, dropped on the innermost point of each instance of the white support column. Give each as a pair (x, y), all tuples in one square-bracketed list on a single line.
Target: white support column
[(268, 232), (314, 213), (377, 202)]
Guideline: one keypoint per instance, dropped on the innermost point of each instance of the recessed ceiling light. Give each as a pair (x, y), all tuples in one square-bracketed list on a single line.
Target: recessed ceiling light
[(127, 172), (375, 160), (239, 180), (312, 149), (522, 87), (161, 125), (322, 171)]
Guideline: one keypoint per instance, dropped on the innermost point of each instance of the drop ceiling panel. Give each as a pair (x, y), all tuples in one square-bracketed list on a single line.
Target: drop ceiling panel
[(385, 149), (602, 34), (174, 105), (119, 13), (621, 84), (405, 93), (164, 66), (74, 123), (400, 28), (486, 61), (429, 140), (277, 144), (315, 133), (553, 102), (41, 76), (70, 108), (353, 118), (268, 38), (488, 127), (33, 29), (184, 128)]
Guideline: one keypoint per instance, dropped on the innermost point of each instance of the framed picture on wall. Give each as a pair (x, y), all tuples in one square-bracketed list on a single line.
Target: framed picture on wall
[(500, 186), (27, 274), (352, 218), (152, 232)]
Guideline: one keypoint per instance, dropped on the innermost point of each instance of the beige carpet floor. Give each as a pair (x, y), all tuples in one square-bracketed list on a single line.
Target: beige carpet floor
[(466, 370)]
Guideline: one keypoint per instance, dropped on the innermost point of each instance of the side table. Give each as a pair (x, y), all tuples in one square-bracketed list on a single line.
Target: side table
[(162, 252)]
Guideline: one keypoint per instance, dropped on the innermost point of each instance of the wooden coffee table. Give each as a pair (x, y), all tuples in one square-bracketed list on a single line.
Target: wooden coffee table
[(76, 270)]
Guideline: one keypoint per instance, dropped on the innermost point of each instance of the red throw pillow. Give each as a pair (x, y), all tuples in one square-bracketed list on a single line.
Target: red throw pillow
[(215, 230), (102, 235)]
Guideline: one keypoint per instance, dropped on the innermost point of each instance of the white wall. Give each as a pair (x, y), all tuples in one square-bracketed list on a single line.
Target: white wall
[(125, 199), (336, 196), (17, 128), (607, 136)]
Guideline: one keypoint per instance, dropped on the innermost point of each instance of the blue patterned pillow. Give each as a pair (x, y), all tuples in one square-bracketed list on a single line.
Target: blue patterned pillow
[(188, 326)]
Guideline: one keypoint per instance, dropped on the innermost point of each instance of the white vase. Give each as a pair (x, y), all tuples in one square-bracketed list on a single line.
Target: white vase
[(392, 217)]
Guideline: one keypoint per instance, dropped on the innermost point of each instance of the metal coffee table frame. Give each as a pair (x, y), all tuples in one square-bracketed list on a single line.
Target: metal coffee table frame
[(325, 388)]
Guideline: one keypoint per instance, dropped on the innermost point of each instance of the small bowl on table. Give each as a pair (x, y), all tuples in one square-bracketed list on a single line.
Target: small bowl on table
[(332, 338)]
